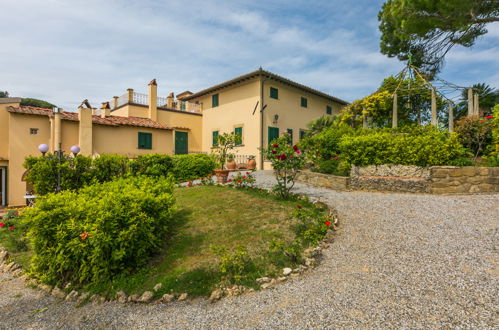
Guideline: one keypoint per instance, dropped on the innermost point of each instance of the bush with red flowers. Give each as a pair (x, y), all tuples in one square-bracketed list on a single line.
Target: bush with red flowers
[(242, 180), (286, 161), (12, 232), (475, 134)]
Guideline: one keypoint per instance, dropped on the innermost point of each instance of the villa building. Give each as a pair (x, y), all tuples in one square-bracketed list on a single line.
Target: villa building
[(258, 106)]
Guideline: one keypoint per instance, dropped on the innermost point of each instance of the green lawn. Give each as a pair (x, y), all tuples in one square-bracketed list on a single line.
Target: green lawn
[(207, 217)]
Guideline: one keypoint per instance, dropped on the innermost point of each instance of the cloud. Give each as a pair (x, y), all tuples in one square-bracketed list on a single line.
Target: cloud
[(67, 51)]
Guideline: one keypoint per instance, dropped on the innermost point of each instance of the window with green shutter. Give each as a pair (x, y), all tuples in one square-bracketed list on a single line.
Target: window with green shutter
[(274, 93), (302, 134), (273, 133), (214, 100), (290, 138), (145, 140), (215, 138), (239, 131), (329, 110), (304, 102)]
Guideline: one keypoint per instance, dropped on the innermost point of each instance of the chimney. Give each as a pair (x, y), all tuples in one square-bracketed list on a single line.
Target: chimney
[(169, 100), (105, 110), (130, 95), (57, 128), (152, 112), (115, 102), (85, 131)]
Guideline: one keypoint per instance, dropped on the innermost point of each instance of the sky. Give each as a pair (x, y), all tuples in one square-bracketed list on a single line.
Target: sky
[(65, 51)]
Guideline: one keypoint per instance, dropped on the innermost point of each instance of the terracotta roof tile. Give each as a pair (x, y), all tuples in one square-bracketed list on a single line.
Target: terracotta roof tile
[(109, 121)]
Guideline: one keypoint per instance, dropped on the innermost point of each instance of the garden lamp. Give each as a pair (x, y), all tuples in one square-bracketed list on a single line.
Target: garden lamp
[(43, 148), (75, 150)]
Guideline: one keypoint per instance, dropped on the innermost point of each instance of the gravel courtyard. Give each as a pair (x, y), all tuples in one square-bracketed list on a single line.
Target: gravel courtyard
[(398, 261)]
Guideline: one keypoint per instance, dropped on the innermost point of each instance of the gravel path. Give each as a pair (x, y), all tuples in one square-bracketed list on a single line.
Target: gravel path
[(399, 261)]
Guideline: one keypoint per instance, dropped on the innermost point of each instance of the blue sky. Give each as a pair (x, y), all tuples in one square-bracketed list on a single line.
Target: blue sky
[(66, 51)]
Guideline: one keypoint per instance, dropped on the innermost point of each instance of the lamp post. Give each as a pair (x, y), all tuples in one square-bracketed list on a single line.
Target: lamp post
[(75, 150), (43, 148)]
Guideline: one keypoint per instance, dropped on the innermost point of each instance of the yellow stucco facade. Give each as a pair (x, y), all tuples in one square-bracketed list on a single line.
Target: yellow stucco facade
[(249, 104)]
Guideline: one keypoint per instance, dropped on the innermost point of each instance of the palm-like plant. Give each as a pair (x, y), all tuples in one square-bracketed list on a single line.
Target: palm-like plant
[(322, 123)]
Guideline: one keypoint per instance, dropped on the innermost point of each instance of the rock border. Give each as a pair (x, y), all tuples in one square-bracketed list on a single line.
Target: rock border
[(313, 257)]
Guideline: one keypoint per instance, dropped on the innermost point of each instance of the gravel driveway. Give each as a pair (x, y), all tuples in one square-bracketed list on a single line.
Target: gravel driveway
[(399, 261)]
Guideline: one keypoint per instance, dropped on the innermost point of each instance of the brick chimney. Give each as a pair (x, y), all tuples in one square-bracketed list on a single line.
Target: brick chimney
[(85, 131), (152, 112)]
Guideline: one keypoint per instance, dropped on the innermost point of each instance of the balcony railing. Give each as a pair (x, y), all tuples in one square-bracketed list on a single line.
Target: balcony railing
[(143, 99)]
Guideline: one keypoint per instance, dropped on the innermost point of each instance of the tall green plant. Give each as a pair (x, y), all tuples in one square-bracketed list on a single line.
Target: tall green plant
[(225, 144)]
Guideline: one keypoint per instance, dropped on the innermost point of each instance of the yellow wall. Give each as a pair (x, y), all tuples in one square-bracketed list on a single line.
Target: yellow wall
[(124, 140), (235, 109), (4, 129)]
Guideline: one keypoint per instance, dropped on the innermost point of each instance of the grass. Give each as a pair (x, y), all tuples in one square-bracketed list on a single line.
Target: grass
[(209, 217)]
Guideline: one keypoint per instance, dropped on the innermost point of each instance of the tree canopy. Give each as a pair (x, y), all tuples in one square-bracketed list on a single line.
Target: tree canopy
[(4, 94), (428, 29), (36, 103)]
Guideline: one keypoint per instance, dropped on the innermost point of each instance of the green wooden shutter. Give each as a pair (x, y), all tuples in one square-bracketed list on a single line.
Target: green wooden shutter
[(329, 110), (145, 140), (304, 102), (273, 133), (290, 139), (239, 131), (214, 100), (274, 93), (302, 134), (215, 138), (181, 143)]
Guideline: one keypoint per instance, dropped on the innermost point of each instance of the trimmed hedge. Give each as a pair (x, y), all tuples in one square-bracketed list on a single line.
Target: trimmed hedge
[(82, 171), (100, 231), (421, 146)]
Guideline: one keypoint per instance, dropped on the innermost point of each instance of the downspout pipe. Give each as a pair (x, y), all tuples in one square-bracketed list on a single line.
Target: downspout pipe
[(262, 80)]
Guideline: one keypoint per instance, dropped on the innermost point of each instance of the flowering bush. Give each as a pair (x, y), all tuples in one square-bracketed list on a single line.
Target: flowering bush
[(312, 225), (12, 231), (286, 160), (475, 134), (241, 180)]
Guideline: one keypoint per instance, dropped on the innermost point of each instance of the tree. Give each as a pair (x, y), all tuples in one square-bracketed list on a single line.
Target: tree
[(488, 97), (320, 124), (4, 94), (36, 103), (429, 29)]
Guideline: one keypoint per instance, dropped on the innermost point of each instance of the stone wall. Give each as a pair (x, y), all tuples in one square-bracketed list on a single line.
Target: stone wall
[(412, 179), (469, 179), (334, 182)]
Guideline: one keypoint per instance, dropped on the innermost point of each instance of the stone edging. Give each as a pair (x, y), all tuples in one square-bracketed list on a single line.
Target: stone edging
[(312, 256)]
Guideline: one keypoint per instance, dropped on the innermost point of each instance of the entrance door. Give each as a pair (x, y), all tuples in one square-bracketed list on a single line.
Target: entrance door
[(3, 186), (181, 143)]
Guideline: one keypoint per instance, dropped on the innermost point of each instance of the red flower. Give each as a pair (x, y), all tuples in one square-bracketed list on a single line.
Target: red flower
[(274, 152), (298, 152), (230, 180), (295, 147), (238, 181), (275, 145), (2, 224), (489, 117), (244, 176), (299, 207), (247, 173), (328, 223), (481, 120), (337, 157), (282, 157), (11, 227)]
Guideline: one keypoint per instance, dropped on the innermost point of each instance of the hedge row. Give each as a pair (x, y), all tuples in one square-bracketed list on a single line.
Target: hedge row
[(80, 171)]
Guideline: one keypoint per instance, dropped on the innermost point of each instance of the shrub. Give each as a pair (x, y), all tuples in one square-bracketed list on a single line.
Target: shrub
[(191, 167), (100, 231), (242, 180), (42, 172), (286, 160), (475, 134), (12, 232), (153, 165), (421, 146), (110, 167), (234, 264)]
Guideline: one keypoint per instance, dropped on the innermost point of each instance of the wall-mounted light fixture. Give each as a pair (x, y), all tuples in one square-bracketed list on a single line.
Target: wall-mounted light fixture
[(276, 118)]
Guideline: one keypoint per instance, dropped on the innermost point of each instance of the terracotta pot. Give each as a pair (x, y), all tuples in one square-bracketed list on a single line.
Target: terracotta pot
[(222, 175), (232, 165), (251, 164)]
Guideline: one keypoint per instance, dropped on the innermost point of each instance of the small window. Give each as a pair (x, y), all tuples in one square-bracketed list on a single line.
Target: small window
[(304, 102), (302, 134), (145, 140), (215, 138), (290, 137), (214, 100), (33, 131), (239, 131), (274, 93), (329, 110)]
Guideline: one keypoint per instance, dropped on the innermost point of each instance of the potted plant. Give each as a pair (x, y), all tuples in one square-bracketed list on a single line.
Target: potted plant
[(225, 143), (251, 163), (231, 163)]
